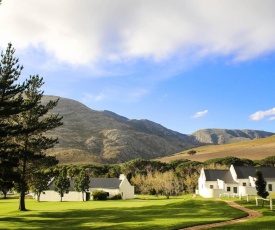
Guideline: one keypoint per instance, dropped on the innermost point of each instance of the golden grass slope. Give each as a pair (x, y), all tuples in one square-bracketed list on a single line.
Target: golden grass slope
[(255, 150)]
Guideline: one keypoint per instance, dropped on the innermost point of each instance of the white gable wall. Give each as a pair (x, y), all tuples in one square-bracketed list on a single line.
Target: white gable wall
[(126, 189)]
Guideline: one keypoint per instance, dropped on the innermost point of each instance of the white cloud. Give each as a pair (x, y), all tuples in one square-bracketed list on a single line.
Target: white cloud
[(116, 93), (87, 31), (200, 114), (260, 115)]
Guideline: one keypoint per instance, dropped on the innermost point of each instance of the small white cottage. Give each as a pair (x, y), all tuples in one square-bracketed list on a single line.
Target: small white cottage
[(112, 186), (238, 180)]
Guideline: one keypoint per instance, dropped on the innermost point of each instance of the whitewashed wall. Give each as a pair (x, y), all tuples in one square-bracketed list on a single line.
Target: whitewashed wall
[(126, 189), (50, 195)]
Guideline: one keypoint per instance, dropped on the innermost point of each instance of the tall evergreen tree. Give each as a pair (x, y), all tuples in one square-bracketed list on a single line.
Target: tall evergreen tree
[(82, 183), (11, 103), (32, 139), (261, 185)]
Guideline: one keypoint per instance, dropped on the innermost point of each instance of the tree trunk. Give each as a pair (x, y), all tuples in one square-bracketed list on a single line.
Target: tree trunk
[(262, 202), (22, 187), (38, 196), (5, 194), (22, 201), (83, 196)]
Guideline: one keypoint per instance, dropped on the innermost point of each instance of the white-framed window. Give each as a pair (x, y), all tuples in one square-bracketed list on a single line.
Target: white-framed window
[(269, 187), (244, 184), (228, 189), (211, 186)]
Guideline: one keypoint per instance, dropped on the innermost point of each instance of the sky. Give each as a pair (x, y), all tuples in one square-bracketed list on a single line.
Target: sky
[(185, 64)]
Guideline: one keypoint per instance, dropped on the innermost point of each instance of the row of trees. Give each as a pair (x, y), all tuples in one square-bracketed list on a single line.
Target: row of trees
[(153, 177), (24, 121), (62, 183)]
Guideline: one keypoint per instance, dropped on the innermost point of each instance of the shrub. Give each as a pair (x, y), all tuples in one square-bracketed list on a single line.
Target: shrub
[(117, 197), (99, 195), (191, 152)]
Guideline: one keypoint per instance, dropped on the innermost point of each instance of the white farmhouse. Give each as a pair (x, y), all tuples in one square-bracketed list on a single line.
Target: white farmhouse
[(238, 180), (112, 186)]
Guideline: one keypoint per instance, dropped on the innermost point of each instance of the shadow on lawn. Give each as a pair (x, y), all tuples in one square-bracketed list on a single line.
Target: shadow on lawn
[(171, 216)]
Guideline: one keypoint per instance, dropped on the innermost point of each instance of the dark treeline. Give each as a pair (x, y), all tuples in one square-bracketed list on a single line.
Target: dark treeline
[(148, 176)]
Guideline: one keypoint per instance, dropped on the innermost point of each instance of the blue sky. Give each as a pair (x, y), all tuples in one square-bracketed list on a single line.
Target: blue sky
[(186, 65)]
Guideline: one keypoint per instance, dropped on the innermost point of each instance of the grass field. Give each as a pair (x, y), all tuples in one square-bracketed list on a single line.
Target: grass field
[(141, 213), (266, 222), (255, 150)]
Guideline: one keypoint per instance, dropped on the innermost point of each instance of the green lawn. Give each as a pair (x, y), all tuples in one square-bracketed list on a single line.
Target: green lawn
[(267, 221), (149, 213)]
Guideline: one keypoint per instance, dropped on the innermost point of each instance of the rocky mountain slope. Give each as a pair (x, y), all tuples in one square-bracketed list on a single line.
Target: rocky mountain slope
[(89, 136), (102, 136), (226, 136)]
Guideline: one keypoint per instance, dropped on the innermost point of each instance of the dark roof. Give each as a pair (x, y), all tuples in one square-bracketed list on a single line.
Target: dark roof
[(214, 174), (94, 183), (245, 172), (104, 182)]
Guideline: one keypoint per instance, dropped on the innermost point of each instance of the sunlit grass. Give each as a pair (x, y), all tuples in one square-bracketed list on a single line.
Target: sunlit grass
[(145, 212), (267, 221)]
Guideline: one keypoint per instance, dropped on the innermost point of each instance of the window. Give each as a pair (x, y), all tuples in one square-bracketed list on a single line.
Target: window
[(211, 186), (228, 189), (235, 189), (269, 187), (244, 184)]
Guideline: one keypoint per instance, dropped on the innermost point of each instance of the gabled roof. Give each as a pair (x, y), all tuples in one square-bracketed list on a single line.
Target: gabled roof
[(104, 182), (215, 174), (110, 183), (244, 172)]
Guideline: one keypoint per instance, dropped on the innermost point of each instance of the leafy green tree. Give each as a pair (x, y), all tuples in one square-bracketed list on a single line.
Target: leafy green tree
[(82, 183), (62, 183), (41, 175), (5, 186), (268, 161), (192, 152), (261, 186)]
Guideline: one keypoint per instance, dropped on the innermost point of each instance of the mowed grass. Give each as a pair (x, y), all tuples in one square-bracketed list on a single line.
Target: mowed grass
[(141, 213), (265, 222)]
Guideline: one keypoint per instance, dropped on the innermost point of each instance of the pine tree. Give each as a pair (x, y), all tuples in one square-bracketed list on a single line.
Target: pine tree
[(32, 139), (11, 103), (62, 183), (261, 185), (82, 183)]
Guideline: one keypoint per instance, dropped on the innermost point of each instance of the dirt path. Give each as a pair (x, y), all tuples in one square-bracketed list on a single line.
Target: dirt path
[(251, 214)]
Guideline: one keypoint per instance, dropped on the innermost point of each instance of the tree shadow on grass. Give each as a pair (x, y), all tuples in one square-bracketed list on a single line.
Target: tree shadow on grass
[(171, 216)]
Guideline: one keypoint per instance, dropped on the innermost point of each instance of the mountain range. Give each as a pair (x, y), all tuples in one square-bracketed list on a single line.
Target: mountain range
[(90, 136)]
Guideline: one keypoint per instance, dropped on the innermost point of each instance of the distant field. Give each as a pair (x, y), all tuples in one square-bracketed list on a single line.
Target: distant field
[(146, 212), (254, 150)]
